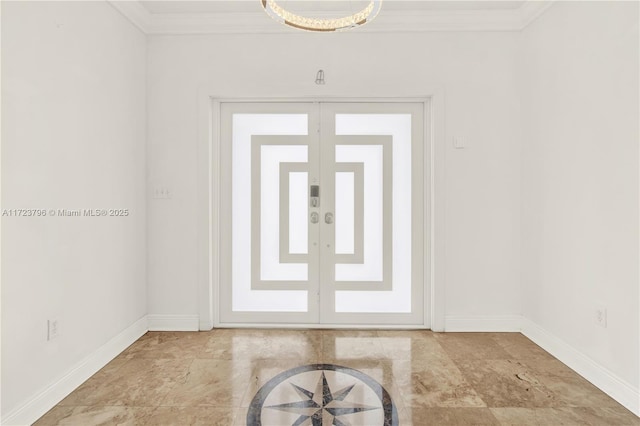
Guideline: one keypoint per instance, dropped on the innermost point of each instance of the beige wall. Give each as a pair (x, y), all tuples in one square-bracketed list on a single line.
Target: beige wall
[(73, 137), (580, 180)]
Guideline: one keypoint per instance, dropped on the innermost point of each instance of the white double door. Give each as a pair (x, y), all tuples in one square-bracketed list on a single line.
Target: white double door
[(322, 213)]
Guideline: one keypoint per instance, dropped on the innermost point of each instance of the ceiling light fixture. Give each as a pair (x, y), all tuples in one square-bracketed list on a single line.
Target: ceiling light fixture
[(354, 20)]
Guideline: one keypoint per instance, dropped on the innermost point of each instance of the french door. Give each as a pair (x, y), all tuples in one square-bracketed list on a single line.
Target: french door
[(322, 217)]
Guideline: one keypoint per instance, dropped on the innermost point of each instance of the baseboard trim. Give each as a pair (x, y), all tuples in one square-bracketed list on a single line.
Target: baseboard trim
[(601, 377), (174, 322), (205, 325), (483, 323), (48, 397)]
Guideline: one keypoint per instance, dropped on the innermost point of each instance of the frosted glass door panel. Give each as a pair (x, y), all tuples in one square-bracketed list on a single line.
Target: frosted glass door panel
[(372, 159), (256, 163), (298, 213), (345, 212), (271, 269), (398, 299)]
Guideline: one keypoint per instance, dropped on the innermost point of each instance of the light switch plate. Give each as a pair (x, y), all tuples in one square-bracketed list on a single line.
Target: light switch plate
[(161, 192)]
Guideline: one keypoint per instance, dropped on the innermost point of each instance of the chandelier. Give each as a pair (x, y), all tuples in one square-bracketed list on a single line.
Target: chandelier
[(354, 20)]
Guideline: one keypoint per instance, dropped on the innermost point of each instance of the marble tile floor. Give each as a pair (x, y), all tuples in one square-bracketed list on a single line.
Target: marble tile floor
[(211, 378)]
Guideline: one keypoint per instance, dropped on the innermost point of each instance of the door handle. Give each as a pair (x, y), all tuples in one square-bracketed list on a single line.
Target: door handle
[(314, 218), (328, 218)]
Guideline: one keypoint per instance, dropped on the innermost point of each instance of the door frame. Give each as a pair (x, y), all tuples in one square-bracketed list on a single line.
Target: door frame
[(209, 202)]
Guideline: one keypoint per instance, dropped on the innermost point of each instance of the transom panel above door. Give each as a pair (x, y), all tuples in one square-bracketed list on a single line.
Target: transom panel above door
[(322, 214)]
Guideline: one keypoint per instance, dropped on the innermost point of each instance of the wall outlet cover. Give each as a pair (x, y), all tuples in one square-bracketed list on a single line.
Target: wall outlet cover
[(601, 316)]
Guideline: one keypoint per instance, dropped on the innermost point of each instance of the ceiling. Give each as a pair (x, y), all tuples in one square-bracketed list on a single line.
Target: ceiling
[(247, 16)]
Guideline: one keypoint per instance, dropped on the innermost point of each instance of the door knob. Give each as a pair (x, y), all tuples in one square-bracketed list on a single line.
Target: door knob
[(328, 218), (314, 217)]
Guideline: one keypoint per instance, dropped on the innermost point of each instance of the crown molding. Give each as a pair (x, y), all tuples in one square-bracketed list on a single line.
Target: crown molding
[(388, 21), (531, 10), (135, 12)]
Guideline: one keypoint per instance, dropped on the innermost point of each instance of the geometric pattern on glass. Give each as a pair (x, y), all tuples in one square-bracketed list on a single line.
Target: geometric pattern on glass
[(397, 297), (267, 158), (345, 204), (294, 212), (349, 208), (370, 269), (245, 197)]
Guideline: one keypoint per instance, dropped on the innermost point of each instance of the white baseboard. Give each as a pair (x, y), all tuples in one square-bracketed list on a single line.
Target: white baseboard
[(205, 325), (483, 323), (601, 377), (174, 322), (34, 408)]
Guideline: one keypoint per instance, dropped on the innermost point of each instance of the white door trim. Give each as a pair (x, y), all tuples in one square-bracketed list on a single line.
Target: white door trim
[(208, 204)]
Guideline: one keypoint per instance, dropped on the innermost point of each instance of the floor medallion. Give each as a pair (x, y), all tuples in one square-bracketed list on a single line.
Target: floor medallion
[(322, 395)]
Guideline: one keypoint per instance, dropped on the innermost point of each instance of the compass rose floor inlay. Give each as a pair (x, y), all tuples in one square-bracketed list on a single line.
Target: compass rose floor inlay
[(322, 395)]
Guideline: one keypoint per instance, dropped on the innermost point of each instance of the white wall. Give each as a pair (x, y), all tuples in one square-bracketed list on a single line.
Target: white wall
[(580, 179), (73, 137), (477, 72)]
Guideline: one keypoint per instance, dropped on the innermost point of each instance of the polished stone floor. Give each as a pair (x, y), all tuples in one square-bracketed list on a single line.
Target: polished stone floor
[(211, 378)]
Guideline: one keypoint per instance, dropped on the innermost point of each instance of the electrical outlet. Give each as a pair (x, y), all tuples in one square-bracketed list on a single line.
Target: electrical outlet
[(52, 329), (601, 316)]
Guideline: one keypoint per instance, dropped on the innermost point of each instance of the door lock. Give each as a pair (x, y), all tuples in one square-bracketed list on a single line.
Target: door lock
[(314, 196), (328, 218)]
